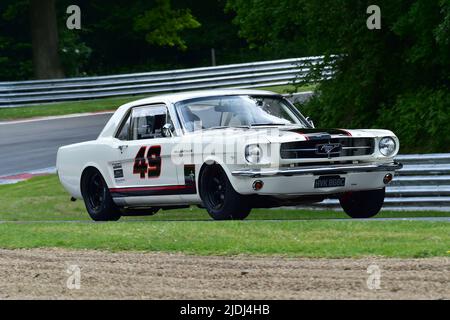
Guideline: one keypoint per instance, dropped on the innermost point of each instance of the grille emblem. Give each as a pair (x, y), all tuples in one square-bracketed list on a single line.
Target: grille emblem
[(329, 148)]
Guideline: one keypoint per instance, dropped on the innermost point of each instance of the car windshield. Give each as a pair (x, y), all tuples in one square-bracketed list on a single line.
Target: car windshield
[(237, 111)]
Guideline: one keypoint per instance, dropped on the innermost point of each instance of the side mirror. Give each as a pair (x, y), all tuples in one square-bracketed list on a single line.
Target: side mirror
[(167, 130), (310, 121)]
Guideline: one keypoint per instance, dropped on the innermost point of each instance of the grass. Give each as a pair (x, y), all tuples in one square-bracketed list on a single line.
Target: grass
[(38, 200), (46, 200), (289, 238), (63, 108)]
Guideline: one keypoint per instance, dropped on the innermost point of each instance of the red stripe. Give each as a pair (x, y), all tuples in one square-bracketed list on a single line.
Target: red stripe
[(23, 176), (305, 136), (148, 188)]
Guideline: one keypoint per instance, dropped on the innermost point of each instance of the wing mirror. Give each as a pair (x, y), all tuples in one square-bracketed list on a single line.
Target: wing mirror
[(167, 130), (310, 121)]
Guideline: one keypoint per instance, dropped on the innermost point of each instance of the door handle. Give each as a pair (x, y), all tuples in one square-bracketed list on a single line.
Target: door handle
[(122, 148)]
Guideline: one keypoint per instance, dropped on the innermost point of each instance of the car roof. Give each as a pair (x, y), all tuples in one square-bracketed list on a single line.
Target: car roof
[(174, 98), (180, 96)]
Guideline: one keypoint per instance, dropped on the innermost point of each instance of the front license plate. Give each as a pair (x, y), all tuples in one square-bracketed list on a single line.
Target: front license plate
[(329, 182)]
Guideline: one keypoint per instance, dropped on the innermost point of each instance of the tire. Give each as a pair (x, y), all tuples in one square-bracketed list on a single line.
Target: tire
[(98, 200), (362, 204), (219, 197)]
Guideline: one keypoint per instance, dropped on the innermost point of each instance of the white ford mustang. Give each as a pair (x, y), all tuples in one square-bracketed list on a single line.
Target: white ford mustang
[(228, 151)]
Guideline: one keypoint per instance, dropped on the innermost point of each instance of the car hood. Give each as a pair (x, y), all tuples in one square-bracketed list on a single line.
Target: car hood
[(285, 134), (301, 134)]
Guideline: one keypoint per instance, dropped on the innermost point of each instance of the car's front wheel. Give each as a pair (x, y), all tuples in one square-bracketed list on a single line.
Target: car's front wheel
[(362, 204), (98, 200), (219, 197)]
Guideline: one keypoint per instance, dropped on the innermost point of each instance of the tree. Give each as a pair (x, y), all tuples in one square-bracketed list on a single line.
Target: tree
[(44, 39), (115, 36)]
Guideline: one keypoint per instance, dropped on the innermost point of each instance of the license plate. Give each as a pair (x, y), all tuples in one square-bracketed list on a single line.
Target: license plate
[(329, 182)]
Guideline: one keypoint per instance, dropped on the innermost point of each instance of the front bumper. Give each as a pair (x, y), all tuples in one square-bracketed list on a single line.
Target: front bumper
[(318, 170)]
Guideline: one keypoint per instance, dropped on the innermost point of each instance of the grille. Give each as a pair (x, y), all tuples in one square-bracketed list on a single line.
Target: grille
[(327, 148)]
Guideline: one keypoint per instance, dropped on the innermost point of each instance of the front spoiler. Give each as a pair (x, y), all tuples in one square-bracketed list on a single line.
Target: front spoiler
[(318, 170)]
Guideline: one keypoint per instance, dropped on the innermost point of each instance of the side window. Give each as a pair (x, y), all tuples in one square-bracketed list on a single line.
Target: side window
[(124, 131), (147, 122)]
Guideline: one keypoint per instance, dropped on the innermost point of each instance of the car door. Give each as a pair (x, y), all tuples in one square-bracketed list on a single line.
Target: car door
[(144, 172)]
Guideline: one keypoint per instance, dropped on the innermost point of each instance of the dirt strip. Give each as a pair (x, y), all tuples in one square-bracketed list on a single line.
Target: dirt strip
[(42, 274)]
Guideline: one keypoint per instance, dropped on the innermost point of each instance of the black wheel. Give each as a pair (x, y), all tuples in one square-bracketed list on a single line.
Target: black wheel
[(362, 204), (97, 198), (219, 197)]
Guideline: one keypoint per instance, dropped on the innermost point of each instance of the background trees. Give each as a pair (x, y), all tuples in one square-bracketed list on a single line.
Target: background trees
[(117, 36)]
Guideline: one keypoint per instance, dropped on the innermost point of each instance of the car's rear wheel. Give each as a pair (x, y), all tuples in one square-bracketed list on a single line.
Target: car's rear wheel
[(362, 204), (219, 197), (98, 200)]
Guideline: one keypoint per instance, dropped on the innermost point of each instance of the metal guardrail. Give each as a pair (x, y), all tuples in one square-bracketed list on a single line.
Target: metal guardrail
[(246, 75), (422, 184)]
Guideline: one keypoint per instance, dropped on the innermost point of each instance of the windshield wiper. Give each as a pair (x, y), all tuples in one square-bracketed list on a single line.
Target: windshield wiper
[(267, 124), (226, 127)]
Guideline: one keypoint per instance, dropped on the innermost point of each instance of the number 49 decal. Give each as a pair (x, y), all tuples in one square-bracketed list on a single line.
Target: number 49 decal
[(148, 163)]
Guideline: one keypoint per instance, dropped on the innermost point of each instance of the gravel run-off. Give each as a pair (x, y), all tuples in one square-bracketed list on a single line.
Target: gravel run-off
[(42, 274)]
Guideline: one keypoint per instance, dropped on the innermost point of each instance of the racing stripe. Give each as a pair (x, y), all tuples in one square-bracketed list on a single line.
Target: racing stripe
[(322, 131)]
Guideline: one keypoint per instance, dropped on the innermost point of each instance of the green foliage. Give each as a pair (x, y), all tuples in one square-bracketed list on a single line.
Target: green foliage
[(420, 119), (74, 53), (162, 24), (15, 45), (271, 26), (380, 75), (116, 36)]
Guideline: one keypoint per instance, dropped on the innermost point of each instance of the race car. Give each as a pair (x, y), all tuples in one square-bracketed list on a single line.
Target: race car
[(227, 151)]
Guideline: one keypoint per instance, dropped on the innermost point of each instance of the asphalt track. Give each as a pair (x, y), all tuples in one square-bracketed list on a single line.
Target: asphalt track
[(32, 145)]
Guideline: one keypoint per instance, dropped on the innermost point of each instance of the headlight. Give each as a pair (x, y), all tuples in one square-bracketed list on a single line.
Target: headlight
[(387, 146), (253, 153)]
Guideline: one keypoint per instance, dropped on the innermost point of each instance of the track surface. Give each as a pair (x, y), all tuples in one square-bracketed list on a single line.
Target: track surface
[(41, 274), (32, 145)]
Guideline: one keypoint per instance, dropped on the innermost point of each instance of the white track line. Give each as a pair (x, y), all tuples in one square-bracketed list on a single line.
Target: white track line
[(68, 116)]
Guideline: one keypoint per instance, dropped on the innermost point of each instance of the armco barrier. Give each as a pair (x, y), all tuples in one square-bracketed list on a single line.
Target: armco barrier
[(245, 75)]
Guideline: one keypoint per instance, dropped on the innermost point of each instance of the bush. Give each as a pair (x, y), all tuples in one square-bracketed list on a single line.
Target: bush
[(420, 120)]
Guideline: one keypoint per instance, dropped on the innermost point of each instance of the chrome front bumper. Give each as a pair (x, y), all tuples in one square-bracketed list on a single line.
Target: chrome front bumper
[(318, 170)]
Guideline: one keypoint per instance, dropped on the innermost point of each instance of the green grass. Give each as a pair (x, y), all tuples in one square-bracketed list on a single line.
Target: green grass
[(63, 108), (43, 198), (36, 202), (288, 238)]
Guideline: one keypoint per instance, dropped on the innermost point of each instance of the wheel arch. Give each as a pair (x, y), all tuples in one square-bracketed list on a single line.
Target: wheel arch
[(213, 161), (88, 167)]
